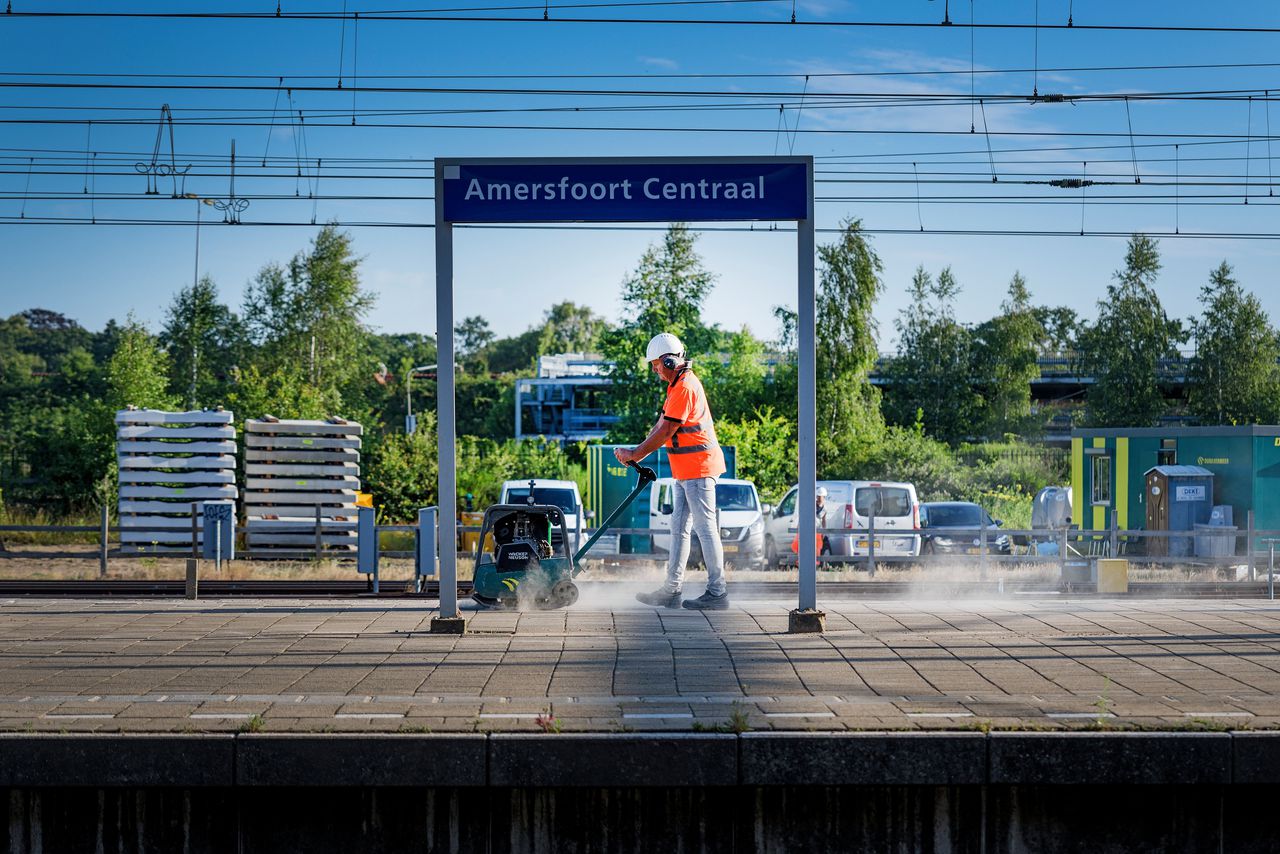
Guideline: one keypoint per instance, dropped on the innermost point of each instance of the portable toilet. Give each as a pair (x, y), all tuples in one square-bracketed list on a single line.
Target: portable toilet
[(1178, 498)]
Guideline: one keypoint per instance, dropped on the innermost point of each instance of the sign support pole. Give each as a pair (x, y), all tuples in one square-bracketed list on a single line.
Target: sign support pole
[(448, 621), (807, 617)]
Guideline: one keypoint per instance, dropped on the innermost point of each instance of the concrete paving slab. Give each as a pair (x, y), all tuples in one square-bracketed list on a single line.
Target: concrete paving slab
[(1031, 663)]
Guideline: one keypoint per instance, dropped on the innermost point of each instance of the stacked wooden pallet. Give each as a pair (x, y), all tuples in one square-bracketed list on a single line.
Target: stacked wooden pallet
[(169, 461), (298, 472)]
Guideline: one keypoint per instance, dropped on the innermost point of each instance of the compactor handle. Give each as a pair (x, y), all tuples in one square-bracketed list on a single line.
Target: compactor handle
[(647, 475)]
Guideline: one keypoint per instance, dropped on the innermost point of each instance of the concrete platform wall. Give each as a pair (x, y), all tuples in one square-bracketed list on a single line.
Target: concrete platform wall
[(926, 792), (994, 819)]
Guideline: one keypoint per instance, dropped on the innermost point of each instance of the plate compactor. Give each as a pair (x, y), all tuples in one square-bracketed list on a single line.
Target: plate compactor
[(530, 566)]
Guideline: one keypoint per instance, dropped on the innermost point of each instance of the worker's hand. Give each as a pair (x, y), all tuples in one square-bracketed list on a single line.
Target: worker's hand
[(624, 455)]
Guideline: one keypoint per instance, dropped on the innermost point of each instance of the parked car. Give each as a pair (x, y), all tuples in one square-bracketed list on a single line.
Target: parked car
[(741, 521), (562, 493), (952, 527), (850, 504)]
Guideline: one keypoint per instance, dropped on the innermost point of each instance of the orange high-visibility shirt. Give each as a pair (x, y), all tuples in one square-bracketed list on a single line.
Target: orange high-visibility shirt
[(693, 450)]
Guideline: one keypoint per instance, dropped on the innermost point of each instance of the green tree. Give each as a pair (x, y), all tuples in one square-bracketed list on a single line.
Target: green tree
[(1004, 362), (307, 318), (1234, 377), (930, 375), (570, 328), (138, 373), (281, 392), (738, 384), (471, 337), (1126, 350), (1060, 328), (201, 336), (664, 294), (400, 470), (765, 442), (849, 282)]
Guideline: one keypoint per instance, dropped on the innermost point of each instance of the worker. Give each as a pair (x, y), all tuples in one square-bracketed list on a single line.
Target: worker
[(821, 514), (685, 429)]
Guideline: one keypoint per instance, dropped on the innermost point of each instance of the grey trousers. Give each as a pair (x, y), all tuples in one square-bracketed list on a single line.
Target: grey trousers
[(693, 508)]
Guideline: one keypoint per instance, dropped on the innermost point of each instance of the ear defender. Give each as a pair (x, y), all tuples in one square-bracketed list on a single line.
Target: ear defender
[(670, 362)]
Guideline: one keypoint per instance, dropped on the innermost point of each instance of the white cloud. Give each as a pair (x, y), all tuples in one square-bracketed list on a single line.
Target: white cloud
[(660, 62)]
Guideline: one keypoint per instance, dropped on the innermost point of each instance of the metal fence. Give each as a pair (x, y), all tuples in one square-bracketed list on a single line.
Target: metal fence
[(1250, 551)]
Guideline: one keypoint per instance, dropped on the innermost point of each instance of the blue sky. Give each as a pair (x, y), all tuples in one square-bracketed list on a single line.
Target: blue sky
[(95, 272)]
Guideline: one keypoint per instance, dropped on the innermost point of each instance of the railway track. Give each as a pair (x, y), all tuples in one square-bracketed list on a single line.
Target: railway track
[(106, 588)]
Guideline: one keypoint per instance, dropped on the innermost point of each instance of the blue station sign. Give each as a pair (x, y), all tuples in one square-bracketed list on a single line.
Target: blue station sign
[(626, 191)]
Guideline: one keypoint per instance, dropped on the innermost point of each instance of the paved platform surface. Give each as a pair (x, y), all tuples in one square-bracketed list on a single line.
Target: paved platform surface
[(80, 665)]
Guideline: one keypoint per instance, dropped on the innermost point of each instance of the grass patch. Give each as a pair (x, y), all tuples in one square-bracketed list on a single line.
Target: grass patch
[(256, 723)]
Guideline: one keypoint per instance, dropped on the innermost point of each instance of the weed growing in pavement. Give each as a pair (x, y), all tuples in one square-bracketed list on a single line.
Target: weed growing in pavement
[(256, 723), (415, 728), (737, 723), (1206, 725), (1103, 700), (548, 722)]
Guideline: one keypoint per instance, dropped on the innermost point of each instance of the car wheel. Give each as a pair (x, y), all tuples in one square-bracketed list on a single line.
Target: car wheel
[(770, 553)]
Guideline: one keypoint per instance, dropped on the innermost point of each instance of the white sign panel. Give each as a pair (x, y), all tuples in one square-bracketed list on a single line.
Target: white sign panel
[(1189, 493)]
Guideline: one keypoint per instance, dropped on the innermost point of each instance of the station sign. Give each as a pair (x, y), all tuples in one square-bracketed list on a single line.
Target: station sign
[(659, 190)]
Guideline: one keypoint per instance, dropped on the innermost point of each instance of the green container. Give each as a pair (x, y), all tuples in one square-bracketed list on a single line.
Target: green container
[(1245, 462), (609, 482)]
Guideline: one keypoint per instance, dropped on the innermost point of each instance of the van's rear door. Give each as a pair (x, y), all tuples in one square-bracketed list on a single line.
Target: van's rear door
[(892, 506)]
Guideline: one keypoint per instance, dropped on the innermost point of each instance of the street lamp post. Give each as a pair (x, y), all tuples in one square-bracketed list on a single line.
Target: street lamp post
[(195, 281)]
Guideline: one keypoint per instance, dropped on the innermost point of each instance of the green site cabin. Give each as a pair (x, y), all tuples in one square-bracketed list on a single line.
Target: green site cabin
[(1108, 465)]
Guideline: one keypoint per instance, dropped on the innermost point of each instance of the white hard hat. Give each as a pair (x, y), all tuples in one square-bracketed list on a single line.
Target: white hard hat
[(662, 344), (822, 492)]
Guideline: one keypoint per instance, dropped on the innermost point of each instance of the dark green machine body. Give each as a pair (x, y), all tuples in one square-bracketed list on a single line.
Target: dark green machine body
[(530, 564)]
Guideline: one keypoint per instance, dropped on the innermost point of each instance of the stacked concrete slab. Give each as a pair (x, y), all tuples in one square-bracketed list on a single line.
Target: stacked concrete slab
[(169, 461), (295, 470)]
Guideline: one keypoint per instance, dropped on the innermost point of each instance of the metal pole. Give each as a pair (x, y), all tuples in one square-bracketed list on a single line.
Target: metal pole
[(519, 435), (982, 549), (1249, 547), (871, 545), (806, 427), (1271, 571), (319, 535), (195, 532), (1115, 537), (104, 522), (446, 417), (217, 543), (1062, 556)]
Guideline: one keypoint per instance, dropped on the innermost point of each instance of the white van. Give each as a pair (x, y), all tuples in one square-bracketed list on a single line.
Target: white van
[(849, 506), (562, 493), (741, 521)]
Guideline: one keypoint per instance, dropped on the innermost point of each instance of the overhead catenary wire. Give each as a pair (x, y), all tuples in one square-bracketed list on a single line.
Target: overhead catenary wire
[(701, 75), (407, 16)]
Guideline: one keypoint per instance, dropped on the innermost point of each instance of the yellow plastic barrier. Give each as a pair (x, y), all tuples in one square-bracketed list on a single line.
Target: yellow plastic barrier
[(1113, 575)]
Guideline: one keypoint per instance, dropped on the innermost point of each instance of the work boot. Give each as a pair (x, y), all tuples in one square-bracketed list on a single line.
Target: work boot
[(708, 602), (660, 598)]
